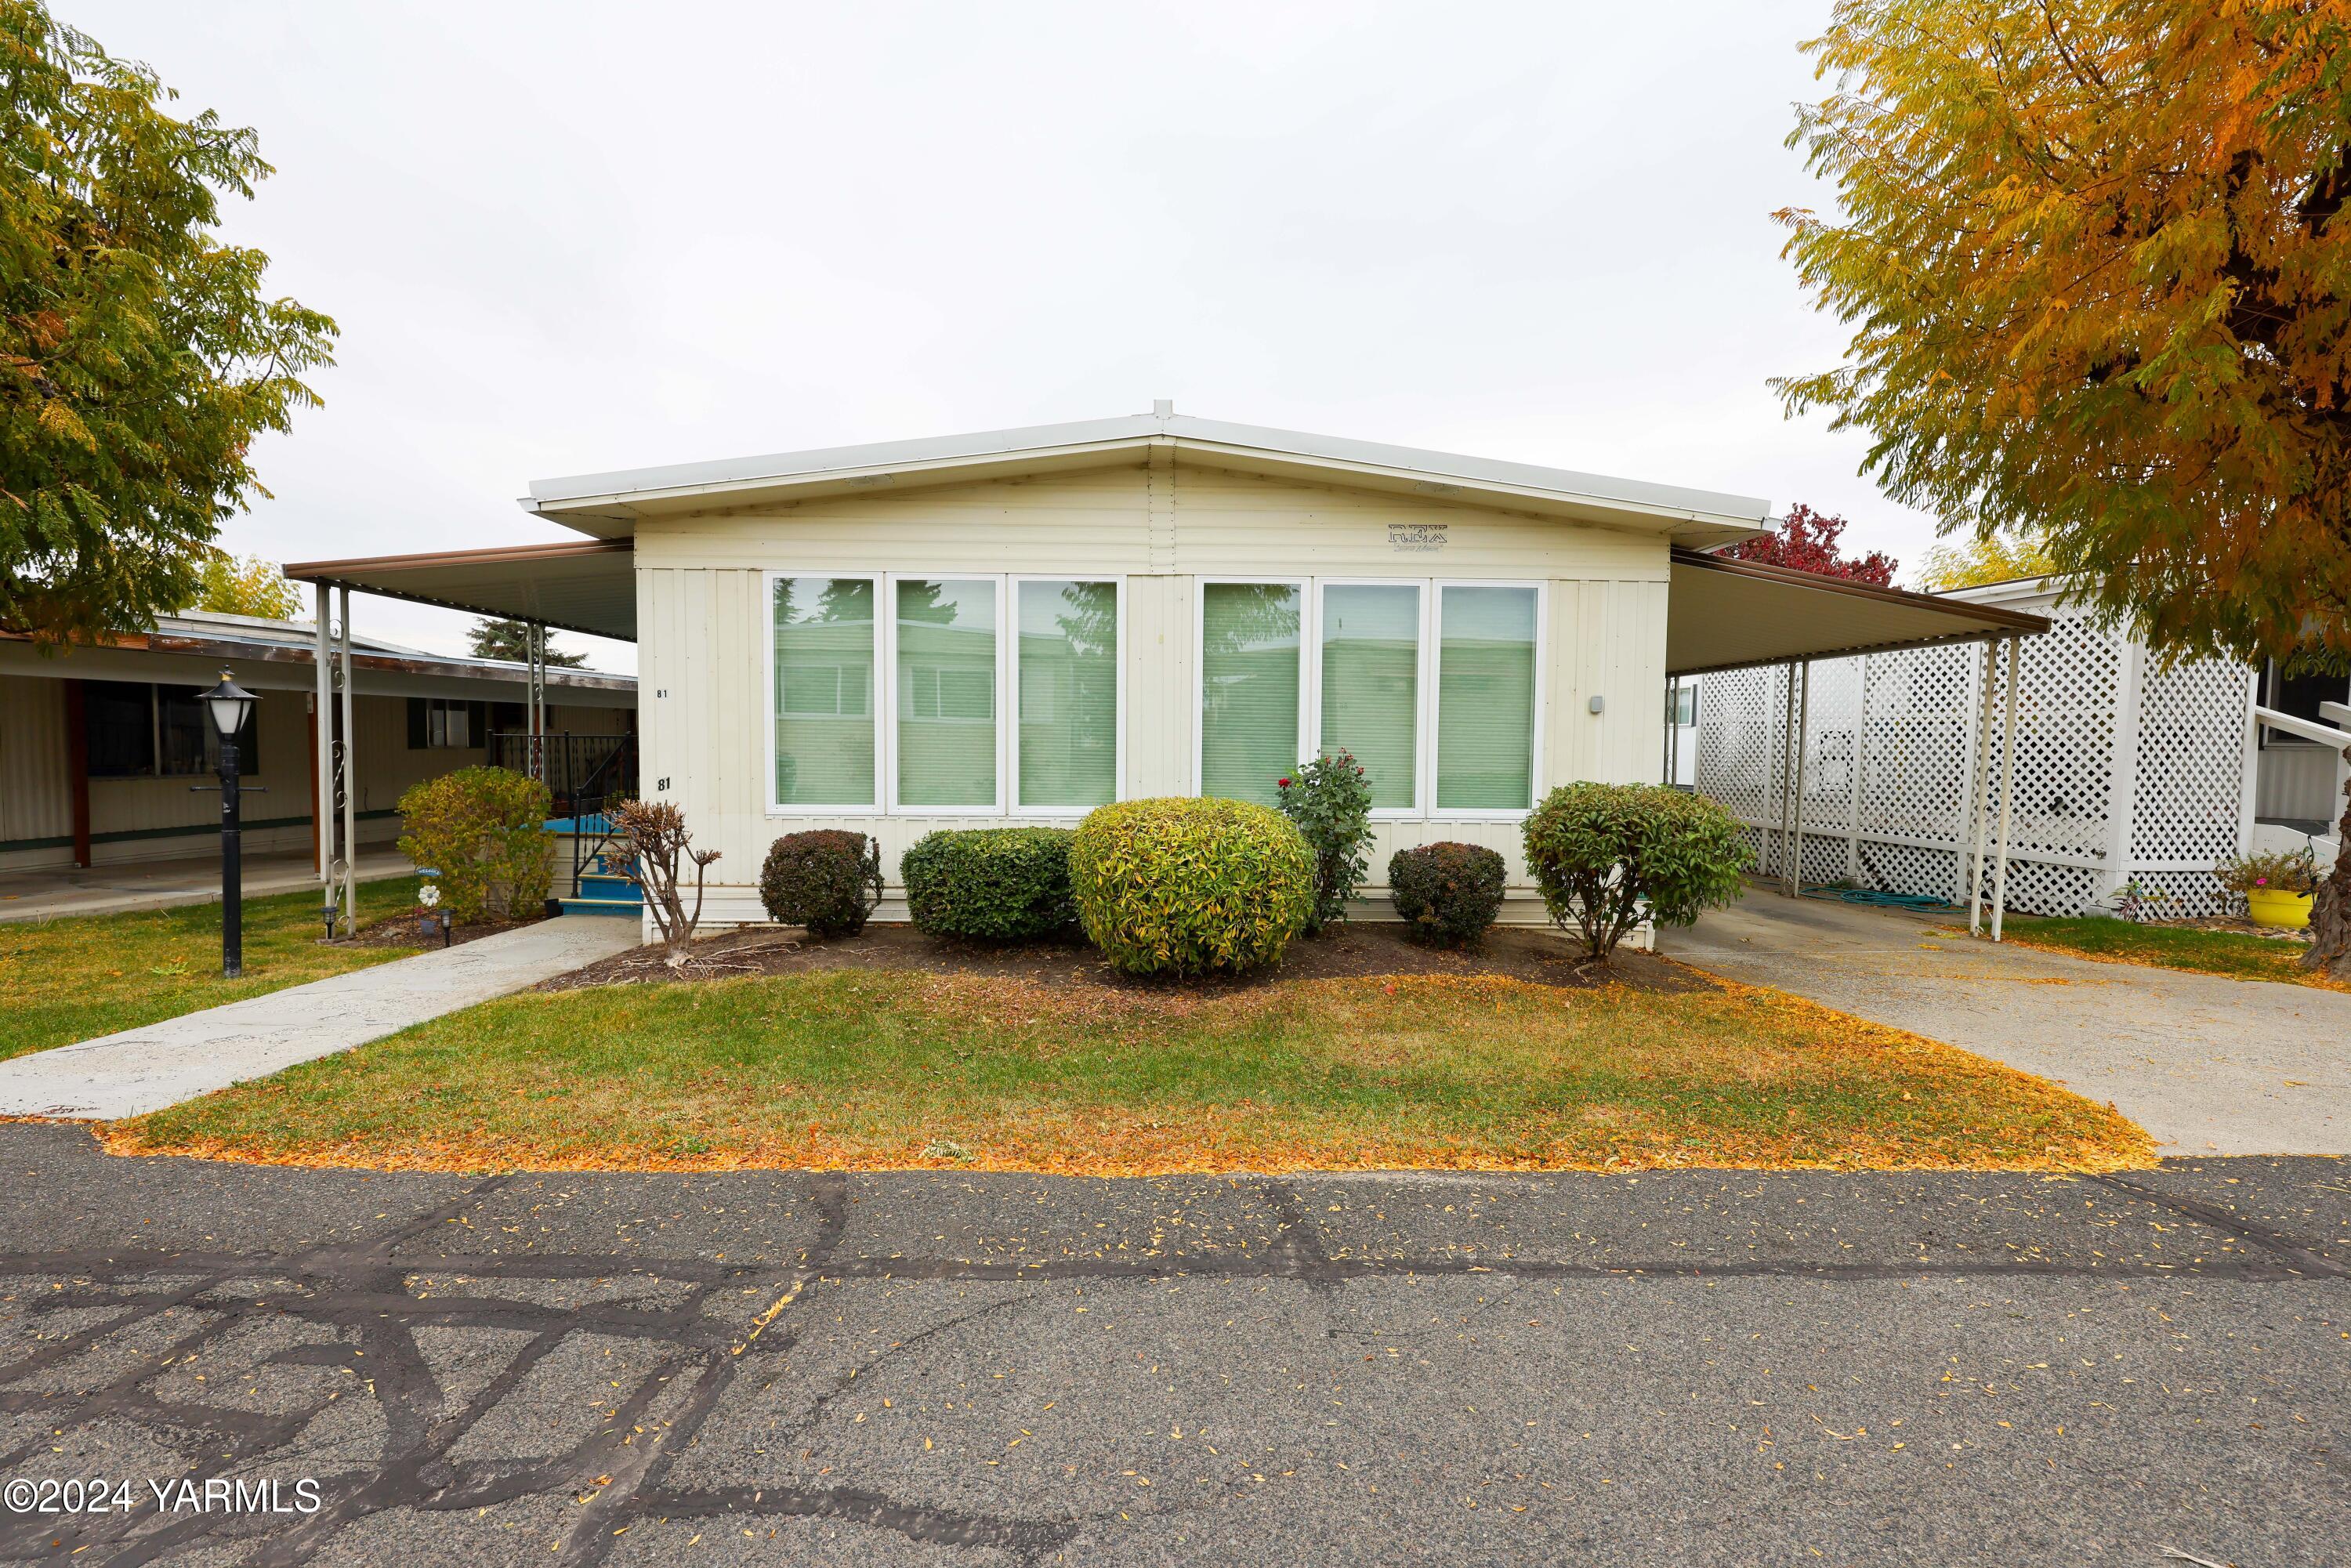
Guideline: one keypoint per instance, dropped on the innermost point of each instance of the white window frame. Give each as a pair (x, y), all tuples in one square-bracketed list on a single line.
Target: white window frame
[(1426, 714), (1539, 715), (882, 602), (1424, 733), (895, 807), (884, 697), (1011, 775), (1308, 660)]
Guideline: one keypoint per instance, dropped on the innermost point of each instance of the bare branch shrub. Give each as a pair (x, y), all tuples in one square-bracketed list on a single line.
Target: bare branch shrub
[(659, 840)]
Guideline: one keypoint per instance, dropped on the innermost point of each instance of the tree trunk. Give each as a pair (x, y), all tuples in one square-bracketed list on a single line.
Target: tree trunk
[(2330, 912)]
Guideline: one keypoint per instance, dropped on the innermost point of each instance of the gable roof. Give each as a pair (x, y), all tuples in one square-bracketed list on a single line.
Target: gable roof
[(608, 505)]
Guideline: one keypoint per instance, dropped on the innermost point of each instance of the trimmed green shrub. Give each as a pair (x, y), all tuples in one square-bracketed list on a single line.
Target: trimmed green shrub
[(1184, 887), (991, 885), (1330, 802), (1604, 854), (1447, 892), (485, 830), (827, 879)]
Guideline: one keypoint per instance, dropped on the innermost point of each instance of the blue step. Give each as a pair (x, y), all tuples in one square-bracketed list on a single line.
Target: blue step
[(632, 908), (599, 886)]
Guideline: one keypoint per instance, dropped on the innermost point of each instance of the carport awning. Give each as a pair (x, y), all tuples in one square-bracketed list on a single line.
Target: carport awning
[(1734, 614), (589, 586)]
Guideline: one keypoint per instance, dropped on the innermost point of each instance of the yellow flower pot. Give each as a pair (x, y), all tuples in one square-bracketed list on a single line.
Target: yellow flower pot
[(2278, 909)]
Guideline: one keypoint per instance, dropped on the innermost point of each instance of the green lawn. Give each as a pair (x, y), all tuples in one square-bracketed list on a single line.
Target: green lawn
[(877, 1069), (88, 975), (2232, 953)]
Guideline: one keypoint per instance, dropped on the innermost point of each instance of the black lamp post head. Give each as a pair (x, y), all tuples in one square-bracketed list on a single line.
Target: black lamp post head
[(228, 704)]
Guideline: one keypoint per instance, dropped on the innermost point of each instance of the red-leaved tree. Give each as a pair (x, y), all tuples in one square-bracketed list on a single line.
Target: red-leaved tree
[(1806, 540)]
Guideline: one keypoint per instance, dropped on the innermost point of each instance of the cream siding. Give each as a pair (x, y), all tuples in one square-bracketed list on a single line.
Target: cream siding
[(36, 801), (704, 639)]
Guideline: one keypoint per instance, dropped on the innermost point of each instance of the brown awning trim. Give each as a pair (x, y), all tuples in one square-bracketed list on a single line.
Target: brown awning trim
[(365, 574), (2019, 619)]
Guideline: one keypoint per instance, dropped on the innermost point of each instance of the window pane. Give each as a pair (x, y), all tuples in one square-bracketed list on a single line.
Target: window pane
[(1486, 700), (1371, 683), (1069, 694), (947, 693), (186, 734), (1249, 688), (119, 720), (824, 667)]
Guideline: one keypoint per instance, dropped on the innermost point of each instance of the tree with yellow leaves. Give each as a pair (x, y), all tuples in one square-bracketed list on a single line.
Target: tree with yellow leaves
[(2097, 267)]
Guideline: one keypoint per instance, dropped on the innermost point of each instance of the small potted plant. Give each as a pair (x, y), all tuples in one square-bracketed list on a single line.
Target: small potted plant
[(2277, 887)]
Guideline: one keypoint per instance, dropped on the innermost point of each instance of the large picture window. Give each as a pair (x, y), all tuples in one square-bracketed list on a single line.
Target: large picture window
[(136, 730), (945, 642), (970, 695), (1485, 698), (1068, 683), (1251, 637), (1434, 686), (1370, 695), (824, 731)]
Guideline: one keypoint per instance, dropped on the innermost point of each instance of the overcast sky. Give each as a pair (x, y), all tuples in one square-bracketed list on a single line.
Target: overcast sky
[(560, 238)]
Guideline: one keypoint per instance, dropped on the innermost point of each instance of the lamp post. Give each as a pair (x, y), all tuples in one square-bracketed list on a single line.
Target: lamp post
[(229, 706)]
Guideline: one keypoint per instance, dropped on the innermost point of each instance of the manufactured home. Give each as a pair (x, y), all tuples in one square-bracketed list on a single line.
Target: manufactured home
[(1017, 626)]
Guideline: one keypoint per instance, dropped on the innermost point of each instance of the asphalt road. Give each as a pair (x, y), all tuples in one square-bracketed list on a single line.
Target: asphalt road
[(1714, 1367)]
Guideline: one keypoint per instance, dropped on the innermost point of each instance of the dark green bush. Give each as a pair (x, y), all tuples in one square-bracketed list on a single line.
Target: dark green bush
[(992, 885), (485, 830), (1330, 804), (1447, 892), (1184, 887), (1604, 853), (827, 879)]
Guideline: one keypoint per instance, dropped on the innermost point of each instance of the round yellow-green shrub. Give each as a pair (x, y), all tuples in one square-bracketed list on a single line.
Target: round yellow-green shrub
[(1181, 887)]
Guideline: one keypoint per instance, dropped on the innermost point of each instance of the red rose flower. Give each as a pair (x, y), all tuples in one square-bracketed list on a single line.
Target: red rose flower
[(1283, 784)]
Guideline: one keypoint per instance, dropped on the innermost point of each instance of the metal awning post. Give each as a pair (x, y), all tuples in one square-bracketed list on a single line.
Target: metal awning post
[(2007, 785), (1978, 778), (535, 646), (1787, 729), (1796, 805), (1852, 774), (349, 773), (323, 737)]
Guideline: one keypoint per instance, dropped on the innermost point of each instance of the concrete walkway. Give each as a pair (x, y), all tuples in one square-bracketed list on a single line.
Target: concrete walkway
[(143, 1070), (2207, 1064), (164, 884)]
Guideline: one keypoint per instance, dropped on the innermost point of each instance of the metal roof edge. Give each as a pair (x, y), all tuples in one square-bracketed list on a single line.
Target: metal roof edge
[(583, 492)]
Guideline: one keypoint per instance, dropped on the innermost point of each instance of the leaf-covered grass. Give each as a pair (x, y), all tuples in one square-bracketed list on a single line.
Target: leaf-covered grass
[(2232, 953), (88, 975), (869, 1069)]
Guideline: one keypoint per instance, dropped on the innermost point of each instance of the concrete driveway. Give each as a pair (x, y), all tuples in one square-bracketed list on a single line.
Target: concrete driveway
[(2206, 1064), (1696, 1367)]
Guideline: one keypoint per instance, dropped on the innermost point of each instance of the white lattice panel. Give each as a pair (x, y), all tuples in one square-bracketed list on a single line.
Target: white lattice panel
[(1890, 756)]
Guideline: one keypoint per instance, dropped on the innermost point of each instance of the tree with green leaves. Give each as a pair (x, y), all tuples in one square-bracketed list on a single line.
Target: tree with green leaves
[(245, 585), (2096, 261), (139, 357), (511, 640), (1979, 560)]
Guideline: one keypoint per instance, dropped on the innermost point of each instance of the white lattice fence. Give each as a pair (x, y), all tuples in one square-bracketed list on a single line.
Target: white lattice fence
[(2123, 770)]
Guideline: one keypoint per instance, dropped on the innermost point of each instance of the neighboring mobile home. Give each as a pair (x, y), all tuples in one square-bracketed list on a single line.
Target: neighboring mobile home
[(1017, 626), (101, 744)]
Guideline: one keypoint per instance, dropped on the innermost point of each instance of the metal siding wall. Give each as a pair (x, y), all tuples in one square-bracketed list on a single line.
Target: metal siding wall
[(33, 776)]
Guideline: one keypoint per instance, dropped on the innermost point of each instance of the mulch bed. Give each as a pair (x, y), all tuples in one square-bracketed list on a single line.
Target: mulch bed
[(401, 931), (1350, 951)]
